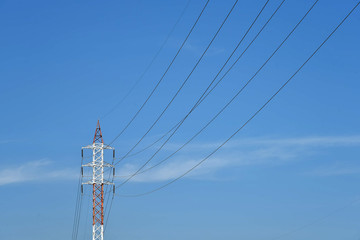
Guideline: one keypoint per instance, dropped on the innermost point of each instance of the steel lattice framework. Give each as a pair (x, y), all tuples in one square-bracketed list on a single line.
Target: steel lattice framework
[(97, 181)]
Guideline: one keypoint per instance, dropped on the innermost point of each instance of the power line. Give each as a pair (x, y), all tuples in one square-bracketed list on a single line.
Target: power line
[(77, 209), (257, 112), (149, 146), (151, 62), (185, 81), (162, 77), (316, 220), (107, 201), (107, 218), (87, 223), (75, 215), (228, 103), (202, 97), (180, 89)]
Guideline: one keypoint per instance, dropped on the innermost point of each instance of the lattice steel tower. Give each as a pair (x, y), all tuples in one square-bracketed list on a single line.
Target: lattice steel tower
[(97, 180)]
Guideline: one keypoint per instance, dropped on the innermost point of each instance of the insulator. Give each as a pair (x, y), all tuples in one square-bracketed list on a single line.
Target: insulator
[(113, 189), (82, 171), (82, 152), (82, 189), (113, 153), (113, 172)]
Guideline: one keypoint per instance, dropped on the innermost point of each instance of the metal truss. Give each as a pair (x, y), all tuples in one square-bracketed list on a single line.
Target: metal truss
[(97, 181)]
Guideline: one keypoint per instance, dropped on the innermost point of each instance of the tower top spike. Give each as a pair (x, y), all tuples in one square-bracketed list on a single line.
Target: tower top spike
[(98, 135)]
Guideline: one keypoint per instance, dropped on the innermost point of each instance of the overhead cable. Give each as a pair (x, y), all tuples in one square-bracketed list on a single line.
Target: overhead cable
[(151, 62), (228, 103), (185, 81), (207, 91), (162, 77), (256, 113)]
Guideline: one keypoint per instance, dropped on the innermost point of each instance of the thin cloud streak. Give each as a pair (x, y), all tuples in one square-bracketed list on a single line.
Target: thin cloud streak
[(335, 171), (6, 141), (245, 152), (253, 151), (34, 171), (282, 142)]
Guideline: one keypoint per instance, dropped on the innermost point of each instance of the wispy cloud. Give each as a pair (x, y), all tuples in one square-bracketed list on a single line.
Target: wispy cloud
[(213, 51), (34, 171), (173, 169), (6, 141), (315, 141), (244, 152), (334, 170)]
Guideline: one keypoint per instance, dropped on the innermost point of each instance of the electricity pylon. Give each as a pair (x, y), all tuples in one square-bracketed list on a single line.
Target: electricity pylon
[(97, 180)]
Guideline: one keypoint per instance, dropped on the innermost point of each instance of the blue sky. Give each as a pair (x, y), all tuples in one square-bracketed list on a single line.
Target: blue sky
[(65, 64)]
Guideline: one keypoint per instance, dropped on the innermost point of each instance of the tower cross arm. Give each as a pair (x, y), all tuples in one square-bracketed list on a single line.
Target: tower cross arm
[(91, 164), (91, 182)]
